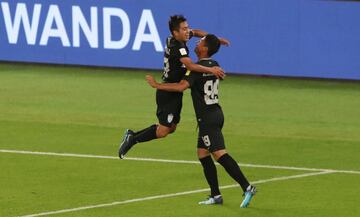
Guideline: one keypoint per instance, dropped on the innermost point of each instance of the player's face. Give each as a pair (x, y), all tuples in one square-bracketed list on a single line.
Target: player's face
[(200, 47), (183, 34)]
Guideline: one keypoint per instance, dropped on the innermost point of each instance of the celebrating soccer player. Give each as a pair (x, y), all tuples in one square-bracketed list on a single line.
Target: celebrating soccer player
[(210, 119), (169, 104)]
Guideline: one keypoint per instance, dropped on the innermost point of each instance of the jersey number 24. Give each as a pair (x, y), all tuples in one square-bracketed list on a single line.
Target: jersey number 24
[(211, 90)]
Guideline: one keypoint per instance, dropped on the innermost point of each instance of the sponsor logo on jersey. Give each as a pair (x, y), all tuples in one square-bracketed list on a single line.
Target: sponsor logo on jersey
[(207, 75)]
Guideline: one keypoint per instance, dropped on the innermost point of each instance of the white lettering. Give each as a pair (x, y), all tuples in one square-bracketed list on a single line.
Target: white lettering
[(79, 21), (109, 43), (21, 16), (147, 20), (59, 32), (83, 26)]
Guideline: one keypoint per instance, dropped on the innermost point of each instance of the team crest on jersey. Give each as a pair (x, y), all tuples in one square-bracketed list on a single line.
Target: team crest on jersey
[(170, 118), (183, 51)]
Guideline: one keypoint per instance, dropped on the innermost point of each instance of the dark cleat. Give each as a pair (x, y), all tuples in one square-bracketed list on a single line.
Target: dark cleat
[(216, 200), (126, 143)]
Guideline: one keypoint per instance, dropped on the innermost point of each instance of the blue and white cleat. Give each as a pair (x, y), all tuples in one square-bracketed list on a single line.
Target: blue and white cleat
[(216, 200), (249, 193), (126, 143)]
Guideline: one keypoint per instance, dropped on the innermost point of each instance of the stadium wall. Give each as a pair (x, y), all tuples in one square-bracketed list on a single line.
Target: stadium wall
[(300, 38)]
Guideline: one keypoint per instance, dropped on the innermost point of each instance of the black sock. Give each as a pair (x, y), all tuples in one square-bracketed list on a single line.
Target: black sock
[(210, 174), (233, 169), (146, 134), (140, 131)]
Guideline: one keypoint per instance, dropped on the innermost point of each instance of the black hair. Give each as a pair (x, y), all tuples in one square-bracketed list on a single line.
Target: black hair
[(174, 22), (212, 43)]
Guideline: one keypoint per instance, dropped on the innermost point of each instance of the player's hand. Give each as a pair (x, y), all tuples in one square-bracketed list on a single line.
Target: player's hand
[(151, 81), (224, 41), (218, 72)]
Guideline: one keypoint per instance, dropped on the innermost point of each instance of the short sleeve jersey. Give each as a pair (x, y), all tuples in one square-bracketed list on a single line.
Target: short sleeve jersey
[(174, 70), (204, 88)]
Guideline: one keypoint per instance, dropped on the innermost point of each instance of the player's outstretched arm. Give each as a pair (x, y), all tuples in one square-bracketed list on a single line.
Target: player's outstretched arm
[(171, 87), (217, 71), (224, 41), (200, 33)]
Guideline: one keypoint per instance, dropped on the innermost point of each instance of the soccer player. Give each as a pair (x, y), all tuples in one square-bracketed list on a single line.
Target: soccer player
[(169, 104), (210, 119)]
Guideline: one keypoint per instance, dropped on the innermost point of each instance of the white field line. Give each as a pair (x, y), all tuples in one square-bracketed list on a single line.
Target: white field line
[(172, 195), (171, 161)]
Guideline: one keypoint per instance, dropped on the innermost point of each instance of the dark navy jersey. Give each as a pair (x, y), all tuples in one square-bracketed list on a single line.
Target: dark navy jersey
[(204, 89), (174, 70)]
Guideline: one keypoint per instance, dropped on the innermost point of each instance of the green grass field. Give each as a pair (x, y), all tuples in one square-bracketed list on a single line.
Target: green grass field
[(268, 121)]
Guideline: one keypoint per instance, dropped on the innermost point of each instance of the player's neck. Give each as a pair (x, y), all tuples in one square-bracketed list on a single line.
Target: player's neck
[(203, 57), (179, 40)]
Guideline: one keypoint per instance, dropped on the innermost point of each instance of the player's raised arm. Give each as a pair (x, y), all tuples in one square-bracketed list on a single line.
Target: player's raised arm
[(200, 33), (171, 87), (191, 66), (224, 41)]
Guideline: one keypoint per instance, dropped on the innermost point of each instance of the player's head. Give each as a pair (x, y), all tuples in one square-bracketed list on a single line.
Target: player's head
[(179, 28), (207, 46)]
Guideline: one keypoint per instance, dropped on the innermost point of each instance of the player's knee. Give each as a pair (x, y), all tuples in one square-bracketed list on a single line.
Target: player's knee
[(161, 134), (172, 129), (218, 154), (201, 153), (163, 131)]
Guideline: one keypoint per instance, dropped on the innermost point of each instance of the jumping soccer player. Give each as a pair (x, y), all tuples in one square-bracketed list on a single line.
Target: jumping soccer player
[(169, 104), (210, 119)]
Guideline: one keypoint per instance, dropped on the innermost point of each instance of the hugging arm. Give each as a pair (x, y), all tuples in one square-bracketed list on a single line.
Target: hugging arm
[(171, 87)]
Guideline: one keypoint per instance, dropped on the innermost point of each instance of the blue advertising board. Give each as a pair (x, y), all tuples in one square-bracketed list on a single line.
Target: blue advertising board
[(300, 38)]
